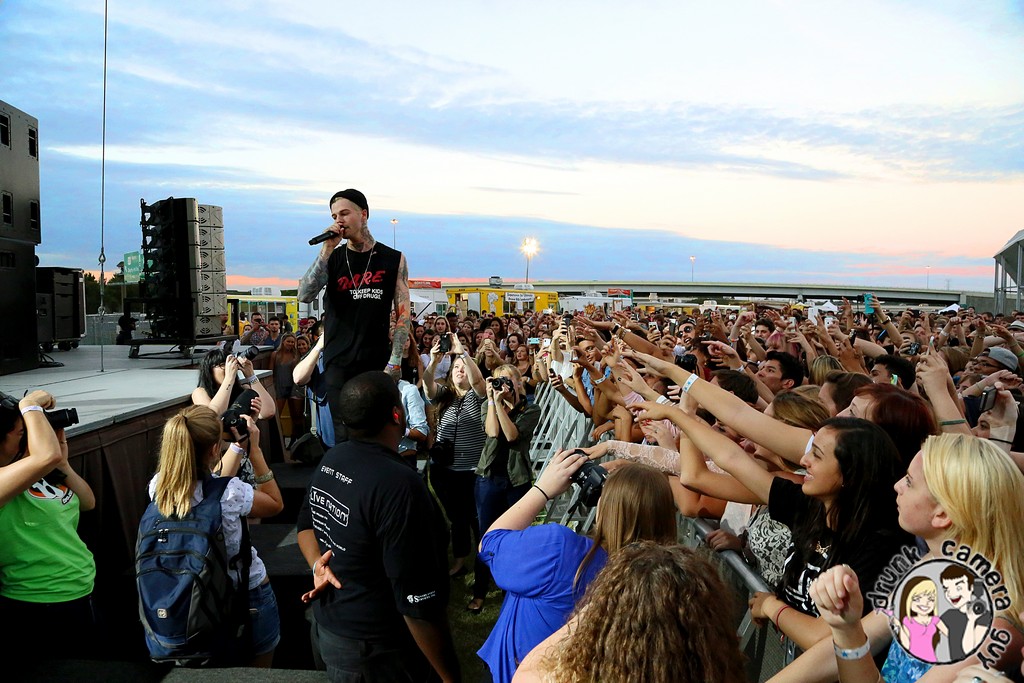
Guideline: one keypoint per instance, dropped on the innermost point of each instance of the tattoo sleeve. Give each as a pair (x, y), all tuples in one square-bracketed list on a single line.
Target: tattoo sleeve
[(314, 280), (402, 304)]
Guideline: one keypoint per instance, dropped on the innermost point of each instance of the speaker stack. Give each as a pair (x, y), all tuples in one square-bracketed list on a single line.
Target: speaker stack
[(183, 278), (20, 232), (60, 307)]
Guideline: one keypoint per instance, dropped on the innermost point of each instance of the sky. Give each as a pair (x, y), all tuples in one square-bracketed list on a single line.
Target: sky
[(818, 142)]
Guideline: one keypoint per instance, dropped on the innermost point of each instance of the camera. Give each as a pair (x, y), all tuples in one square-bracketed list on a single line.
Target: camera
[(58, 419), (232, 417), (687, 362), (251, 352), (590, 478), (978, 603), (567, 319), (500, 383), (445, 344), (63, 418)]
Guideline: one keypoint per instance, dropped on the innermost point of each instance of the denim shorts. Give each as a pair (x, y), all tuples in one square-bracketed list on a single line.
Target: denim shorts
[(266, 624)]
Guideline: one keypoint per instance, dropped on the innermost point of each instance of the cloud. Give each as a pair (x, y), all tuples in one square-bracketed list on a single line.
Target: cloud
[(620, 151)]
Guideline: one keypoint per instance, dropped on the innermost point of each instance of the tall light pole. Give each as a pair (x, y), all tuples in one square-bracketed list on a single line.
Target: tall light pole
[(692, 259), (394, 233), (530, 247), (927, 276)]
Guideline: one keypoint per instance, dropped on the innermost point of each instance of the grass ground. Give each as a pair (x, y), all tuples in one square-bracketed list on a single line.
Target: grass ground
[(469, 631)]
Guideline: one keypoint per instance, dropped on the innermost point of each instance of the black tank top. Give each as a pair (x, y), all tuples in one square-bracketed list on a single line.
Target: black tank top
[(358, 303)]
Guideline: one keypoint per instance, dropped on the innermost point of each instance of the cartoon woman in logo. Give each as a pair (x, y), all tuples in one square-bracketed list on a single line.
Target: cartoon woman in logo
[(919, 623)]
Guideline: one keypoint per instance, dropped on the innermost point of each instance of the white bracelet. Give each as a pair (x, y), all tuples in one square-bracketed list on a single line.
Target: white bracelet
[(28, 409), (235, 448), (664, 400), (689, 383), (855, 653)]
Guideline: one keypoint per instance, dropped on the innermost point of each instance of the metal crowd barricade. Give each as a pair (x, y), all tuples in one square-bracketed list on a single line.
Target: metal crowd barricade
[(560, 425), (767, 652)]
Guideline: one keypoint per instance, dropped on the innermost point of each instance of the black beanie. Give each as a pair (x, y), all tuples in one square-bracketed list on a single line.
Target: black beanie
[(354, 196)]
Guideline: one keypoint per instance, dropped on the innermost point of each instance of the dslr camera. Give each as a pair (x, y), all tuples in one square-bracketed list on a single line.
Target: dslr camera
[(232, 417), (250, 353), (499, 383), (61, 418), (590, 478)]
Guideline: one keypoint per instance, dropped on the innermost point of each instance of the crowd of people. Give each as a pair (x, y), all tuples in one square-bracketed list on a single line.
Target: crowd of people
[(801, 436), (840, 453)]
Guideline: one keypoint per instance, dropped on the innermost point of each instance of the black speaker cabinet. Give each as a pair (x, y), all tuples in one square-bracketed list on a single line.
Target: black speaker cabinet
[(19, 176), (60, 295), (19, 349)]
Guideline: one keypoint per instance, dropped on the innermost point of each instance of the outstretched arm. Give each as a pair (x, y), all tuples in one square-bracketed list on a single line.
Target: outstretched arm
[(789, 442), (726, 454)]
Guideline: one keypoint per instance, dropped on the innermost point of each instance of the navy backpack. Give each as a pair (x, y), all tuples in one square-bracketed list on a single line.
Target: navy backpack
[(192, 612)]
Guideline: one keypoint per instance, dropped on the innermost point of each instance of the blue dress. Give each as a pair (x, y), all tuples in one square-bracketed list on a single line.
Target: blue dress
[(536, 568), (900, 667)]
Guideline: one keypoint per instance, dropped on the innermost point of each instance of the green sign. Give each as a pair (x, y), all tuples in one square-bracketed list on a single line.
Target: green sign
[(132, 267)]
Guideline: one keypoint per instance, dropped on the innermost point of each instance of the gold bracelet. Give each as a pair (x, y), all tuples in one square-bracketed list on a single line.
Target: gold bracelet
[(264, 478)]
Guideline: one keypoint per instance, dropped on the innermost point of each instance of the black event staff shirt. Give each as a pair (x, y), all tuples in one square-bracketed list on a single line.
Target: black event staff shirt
[(359, 297), (374, 512)]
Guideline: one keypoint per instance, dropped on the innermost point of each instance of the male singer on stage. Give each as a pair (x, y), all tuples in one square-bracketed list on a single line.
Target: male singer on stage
[(363, 279)]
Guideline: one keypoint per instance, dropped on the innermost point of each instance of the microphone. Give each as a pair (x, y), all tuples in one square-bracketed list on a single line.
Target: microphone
[(322, 237)]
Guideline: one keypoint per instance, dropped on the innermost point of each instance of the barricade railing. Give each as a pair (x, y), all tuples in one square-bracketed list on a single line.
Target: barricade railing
[(559, 426), (766, 650)]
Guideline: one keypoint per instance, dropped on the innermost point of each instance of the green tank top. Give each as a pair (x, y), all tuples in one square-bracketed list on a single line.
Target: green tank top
[(42, 558)]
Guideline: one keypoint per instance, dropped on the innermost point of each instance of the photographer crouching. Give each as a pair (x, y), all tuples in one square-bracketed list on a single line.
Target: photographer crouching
[(46, 571)]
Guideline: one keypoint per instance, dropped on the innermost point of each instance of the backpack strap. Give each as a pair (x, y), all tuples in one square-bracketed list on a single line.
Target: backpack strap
[(215, 487), (242, 563)]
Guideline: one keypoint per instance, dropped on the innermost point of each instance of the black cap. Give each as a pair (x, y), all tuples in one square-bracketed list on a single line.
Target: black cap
[(354, 196)]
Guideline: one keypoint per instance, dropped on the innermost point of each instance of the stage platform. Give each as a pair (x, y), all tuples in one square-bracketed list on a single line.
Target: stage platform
[(126, 389)]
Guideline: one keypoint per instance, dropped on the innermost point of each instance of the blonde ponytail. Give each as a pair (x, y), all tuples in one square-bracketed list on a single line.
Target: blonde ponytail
[(184, 449)]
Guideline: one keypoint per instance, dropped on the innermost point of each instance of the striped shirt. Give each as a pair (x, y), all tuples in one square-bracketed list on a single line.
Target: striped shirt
[(469, 437)]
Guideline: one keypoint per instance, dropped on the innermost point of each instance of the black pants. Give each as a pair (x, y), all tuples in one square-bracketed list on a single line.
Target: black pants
[(348, 660), (455, 491), (336, 375), (25, 643)]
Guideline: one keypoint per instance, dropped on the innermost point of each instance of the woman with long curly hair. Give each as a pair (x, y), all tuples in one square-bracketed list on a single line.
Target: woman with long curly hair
[(664, 610), (545, 569)]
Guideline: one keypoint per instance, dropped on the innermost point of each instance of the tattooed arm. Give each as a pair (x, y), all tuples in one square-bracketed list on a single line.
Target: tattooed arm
[(402, 305), (316, 277)]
